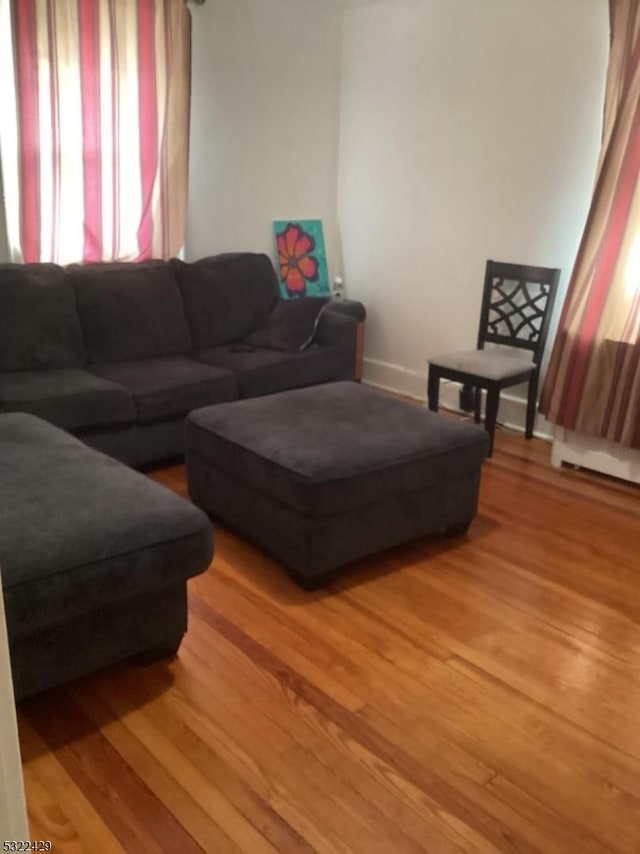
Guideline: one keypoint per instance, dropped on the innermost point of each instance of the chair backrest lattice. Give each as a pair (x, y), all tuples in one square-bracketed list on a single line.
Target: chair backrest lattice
[(516, 306)]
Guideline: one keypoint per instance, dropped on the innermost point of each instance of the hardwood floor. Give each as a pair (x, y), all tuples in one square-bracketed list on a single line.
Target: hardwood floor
[(472, 695)]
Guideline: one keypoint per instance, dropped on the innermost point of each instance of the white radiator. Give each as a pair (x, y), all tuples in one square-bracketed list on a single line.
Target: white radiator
[(591, 452)]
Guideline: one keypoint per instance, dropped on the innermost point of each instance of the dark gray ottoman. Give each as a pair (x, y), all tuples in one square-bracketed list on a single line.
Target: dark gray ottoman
[(94, 557), (322, 476)]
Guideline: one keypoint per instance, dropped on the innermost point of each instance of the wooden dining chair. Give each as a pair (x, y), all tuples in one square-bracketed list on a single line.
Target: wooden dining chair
[(516, 310)]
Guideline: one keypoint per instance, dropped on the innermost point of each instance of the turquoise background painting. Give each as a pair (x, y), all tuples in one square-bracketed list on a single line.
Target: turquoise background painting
[(301, 258)]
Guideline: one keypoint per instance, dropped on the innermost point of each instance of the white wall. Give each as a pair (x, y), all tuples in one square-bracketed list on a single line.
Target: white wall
[(265, 122), (470, 130), (13, 815)]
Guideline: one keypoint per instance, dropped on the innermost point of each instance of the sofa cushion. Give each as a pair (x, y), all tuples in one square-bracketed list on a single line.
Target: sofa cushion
[(226, 296), (71, 399), (80, 531), (170, 386), (291, 325), (264, 371), (130, 311), (39, 324)]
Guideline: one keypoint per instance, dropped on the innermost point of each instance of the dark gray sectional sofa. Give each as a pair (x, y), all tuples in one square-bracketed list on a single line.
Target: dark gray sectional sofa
[(118, 354), (95, 557)]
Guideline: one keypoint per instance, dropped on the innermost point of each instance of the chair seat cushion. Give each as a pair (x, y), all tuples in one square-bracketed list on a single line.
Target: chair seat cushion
[(79, 530), (170, 386), (333, 448), (264, 371), (498, 364), (71, 399)]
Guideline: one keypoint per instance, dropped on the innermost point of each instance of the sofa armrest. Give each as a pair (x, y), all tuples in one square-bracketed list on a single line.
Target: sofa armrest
[(338, 323), (350, 307), (336, 329)]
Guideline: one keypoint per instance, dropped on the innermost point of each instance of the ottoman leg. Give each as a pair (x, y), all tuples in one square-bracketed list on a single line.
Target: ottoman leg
[(165, 650), (311, 582), (458, 530)]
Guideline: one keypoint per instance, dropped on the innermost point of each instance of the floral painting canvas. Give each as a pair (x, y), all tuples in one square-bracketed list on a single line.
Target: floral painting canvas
[(302, 259)]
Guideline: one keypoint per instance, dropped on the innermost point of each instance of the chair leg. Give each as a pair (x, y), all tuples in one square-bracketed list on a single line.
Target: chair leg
[(491, 415), (433, 388), (532, 400), (477, 408)]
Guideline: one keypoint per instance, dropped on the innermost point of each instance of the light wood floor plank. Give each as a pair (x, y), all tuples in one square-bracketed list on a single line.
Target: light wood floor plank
[(312, 739), (186, 806)]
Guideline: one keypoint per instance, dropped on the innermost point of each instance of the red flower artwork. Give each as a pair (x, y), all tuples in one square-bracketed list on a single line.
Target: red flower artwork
[(297, 265)]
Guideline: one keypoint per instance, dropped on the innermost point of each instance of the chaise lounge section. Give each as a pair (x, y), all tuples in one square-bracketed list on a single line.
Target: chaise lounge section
[(94, 557)]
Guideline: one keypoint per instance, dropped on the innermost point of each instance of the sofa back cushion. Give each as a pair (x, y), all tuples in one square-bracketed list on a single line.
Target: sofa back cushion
[(226, 296), (130, 311), (39, 324)]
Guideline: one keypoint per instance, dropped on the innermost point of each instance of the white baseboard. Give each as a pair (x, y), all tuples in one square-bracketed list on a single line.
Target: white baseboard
[(395, 378), (596, 454), (414, 384)]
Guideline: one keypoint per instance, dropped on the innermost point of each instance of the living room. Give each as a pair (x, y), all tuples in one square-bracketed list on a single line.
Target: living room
[(477, 693)]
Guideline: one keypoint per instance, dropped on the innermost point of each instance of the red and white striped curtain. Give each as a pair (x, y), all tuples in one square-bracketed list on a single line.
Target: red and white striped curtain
[(102, 133), (593, 382)]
